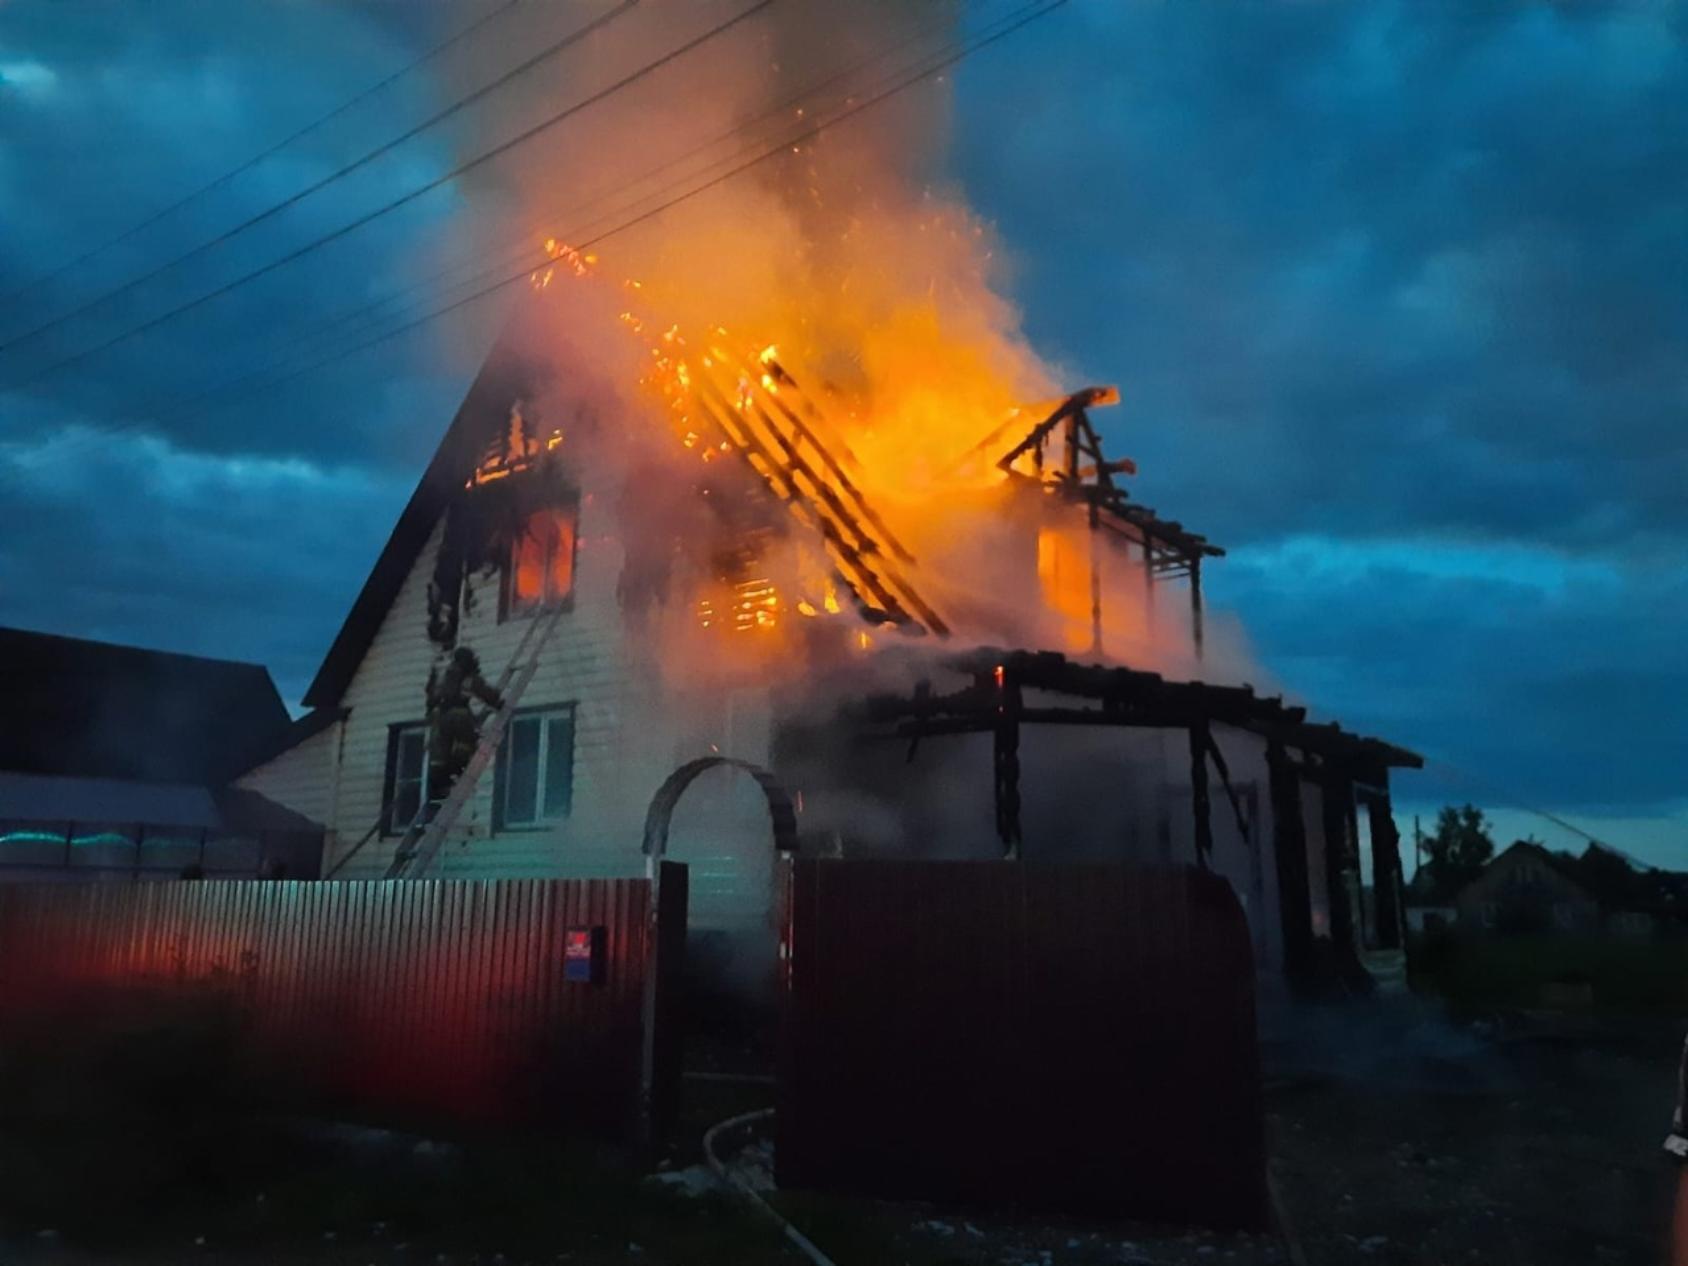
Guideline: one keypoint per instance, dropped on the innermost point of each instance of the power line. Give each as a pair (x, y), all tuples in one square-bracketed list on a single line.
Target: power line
[(339, 110), (1508, 799), (1037, 10), (525, 248), (1007, 26), (386, 147), (402, 200)]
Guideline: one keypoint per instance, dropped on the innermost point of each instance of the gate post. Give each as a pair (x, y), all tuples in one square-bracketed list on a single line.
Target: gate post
[(661, 1039)]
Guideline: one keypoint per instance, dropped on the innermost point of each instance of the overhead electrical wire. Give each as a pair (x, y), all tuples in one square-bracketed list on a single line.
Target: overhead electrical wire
[(1508, 800), (357, 164), (404, 199), (343, 108), (937, 65), (525, 249), (1021, 18), (934, 66)]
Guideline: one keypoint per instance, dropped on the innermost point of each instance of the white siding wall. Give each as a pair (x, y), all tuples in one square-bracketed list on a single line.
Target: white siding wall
[(630, 732), (302, 777)]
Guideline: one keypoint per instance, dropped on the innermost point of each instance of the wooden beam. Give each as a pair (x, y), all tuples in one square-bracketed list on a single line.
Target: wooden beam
[(1196, 633), (1224, 772), (1199, 743), (1006, 756), (1336, 796), (1386, 871), (1289, 848)]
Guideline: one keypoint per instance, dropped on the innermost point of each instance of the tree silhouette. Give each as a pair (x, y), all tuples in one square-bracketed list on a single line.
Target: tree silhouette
[(1456, 852)]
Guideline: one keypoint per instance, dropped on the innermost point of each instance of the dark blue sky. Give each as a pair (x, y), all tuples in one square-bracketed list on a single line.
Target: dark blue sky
[(1396, 293)]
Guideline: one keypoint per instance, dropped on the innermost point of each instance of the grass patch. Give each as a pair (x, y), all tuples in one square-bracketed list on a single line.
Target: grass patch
[(1625, 977), (136, 1129)]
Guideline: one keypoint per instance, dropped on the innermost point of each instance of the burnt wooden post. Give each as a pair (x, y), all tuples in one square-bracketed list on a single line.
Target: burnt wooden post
[(1338, 795), (1386, 871), (1196, 632), (1148, 581), (662, 1033), (1095, 579), (1364, 930), (1289, 849), (1007, 759), (1199, 803)]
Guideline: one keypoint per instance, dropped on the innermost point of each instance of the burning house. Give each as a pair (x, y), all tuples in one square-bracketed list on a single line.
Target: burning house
[(718, 592), (732, 516)]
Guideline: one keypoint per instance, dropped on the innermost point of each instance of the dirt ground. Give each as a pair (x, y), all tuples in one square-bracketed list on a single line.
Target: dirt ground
[(1397, 1137), (1533, 1140)]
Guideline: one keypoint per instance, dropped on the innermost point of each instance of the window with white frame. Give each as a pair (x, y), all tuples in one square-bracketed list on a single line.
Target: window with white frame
[(536, 768), (407, 775)]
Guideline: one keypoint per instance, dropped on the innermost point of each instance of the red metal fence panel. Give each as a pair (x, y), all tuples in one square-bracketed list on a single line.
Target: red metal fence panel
[(1078, 1037), (415, 1002)]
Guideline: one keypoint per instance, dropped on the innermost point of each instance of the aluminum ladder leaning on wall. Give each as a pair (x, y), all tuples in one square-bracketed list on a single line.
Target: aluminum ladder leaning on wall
[(421, 843), (422, 838)]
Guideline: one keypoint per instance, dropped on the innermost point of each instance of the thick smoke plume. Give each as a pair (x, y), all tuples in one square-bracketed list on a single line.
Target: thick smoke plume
[(852, 254), (847, 267)]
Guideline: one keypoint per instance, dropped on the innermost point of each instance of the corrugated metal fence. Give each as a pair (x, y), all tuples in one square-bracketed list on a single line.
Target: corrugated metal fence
[(415, 1002), (1067, 1036)]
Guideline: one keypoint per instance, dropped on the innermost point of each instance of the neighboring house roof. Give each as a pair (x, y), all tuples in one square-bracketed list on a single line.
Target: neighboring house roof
[(506, 376), (99, 710), (308, 726), (1562, 865), (117, 801), (1601, 875), (1634, 862), (49, 798)]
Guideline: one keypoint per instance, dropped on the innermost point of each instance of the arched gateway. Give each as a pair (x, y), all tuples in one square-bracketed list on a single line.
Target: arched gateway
[(781, 815)]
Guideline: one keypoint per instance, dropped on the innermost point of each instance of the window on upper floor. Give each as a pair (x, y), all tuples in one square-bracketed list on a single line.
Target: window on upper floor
[(535, 784), (540, 569), (406, 783)]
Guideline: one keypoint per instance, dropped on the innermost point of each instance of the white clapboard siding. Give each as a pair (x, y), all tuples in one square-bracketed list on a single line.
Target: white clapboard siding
[(302, 777), (631, 732)]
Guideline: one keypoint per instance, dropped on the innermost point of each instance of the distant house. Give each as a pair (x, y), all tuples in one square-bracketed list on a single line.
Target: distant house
[(1527, 889), (115, 763), (1427, 905), (1531, 889)]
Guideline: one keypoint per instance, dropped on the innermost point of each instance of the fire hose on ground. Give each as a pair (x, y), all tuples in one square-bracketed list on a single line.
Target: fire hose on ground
[(803, 1242), (1280, 1216)]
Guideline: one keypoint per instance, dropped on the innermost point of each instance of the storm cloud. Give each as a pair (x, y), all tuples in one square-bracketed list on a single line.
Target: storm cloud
[(1396, 295)]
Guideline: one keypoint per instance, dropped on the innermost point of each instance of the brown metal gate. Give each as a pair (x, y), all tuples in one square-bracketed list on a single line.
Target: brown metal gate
[(1079, 1037)]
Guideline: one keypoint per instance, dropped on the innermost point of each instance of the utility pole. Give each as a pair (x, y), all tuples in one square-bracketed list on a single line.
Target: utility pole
[(1418, 845)]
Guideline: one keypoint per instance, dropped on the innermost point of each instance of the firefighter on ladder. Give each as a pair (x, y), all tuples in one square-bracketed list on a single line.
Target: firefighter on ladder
[(453, 728)]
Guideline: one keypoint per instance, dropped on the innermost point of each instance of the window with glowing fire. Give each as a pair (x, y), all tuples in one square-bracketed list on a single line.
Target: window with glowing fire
[(539, 572)]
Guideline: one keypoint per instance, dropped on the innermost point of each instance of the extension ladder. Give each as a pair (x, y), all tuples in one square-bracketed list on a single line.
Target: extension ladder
[(422, 840), (419, 844)]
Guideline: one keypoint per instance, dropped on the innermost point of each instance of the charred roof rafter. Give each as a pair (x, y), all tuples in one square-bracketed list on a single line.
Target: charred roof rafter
[(1126, 697), (1085, 476)]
